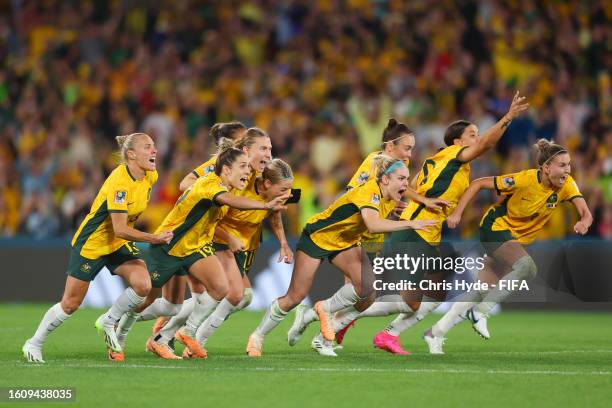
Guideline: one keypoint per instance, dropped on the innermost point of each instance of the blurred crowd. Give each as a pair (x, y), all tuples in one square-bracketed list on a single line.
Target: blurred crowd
[(322, 77)]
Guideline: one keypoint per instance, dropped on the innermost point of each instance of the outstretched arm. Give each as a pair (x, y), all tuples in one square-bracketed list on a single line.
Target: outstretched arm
[(188, 181), (243, 203), (475, 186), (276, 224), (377, 225), (124, 231), (586, 219)]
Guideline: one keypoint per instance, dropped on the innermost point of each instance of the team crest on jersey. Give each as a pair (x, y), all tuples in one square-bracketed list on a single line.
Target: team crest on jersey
[(363, 177), (552, 201), (508, 182), (154, 276), (86, 268), (376, 199), (120, 197)]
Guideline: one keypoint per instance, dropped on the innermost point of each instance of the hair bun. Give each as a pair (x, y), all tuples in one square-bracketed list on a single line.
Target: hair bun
[(392, 123)]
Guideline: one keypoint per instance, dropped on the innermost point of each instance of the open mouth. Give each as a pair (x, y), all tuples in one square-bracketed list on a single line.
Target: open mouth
[(152, 160), (243, 179), (401, 191), (562, 179)]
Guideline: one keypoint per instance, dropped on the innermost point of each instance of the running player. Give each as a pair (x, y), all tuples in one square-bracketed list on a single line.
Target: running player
[(193, 220), (335, 234), (531, 196), (445, 175), (104, 239)]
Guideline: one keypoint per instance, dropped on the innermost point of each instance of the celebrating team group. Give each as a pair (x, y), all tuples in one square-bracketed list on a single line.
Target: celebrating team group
[(209, 239)]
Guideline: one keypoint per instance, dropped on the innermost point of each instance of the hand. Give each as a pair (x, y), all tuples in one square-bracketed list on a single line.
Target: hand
[(435, 203), (235, 244), (286, 254), (516, 107), (399, 209), (453, 220), (277, 203), (581, 228), (163, 237), (421, 224)]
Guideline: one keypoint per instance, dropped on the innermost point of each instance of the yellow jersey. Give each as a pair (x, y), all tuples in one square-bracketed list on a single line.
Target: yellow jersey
[(443, 176), (120, 193), (341, 226), (194, 216), (363, 174), (528, 204), (246, 224), (206, 168)]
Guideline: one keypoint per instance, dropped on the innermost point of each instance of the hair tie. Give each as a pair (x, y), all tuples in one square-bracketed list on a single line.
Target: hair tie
[(398, 164)]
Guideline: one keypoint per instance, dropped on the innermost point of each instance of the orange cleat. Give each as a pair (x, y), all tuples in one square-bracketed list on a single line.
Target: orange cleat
[(162, 350), (325, 319), (159, 324), (255, 345), (196, 350), (116, 356)]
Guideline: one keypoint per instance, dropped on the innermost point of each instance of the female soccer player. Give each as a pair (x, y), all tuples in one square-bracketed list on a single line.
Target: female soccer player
[(193, 220), (104, 239), (335, 234), (531, 196), (445, 175)]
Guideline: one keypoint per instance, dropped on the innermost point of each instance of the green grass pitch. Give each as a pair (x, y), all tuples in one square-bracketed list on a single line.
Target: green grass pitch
[(549, 359)]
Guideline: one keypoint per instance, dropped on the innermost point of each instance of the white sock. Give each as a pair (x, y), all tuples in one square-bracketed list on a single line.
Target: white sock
[(214, 321), (54, 317), (310, 315), (160, 307), (451, 318), (126, 302), (406, 320), (343, 298), (385, 308), (204, 307), (126, 323), (247, 298), (176, 322), (274, 315), (344, 318)]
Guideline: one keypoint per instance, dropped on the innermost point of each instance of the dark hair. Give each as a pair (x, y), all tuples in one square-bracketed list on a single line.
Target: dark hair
[(249, 137), (227, 130), (454, 131), (393, 132), (227, 154), (547, 150)]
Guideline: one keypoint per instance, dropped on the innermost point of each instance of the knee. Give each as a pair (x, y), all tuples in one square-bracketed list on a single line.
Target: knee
[(526, 268), (219, 291), (142, 287), (70, 304), (234, 297)]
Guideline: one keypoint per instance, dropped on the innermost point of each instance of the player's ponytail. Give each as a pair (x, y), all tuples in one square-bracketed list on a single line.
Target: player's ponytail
[(386, 165), (394, 132), (228, 130), (227, 154), (250, 137), (454, 131), (276, 171), (547, 150), (126, 142)]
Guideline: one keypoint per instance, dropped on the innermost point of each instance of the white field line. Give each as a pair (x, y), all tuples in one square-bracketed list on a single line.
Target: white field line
[(322, 369)]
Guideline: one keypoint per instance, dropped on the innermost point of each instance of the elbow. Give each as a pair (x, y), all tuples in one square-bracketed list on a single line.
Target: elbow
[(120, 233)]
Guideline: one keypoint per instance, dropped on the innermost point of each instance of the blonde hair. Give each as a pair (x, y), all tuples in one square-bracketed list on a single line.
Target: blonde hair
[(227, 153), (547, 150), (126, 142), (382, 163), (248, 139), (276, 171)]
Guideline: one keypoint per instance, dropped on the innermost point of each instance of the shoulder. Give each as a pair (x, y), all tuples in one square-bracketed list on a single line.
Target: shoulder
[(152, 176)]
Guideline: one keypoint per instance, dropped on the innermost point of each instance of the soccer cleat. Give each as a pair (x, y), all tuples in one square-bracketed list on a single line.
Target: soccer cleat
[(32, 353), (114, 356), (342, 332), (434, 343), (479, 323), (325, 319), (255, 345), (162, 350), (192, 344), (159, 324), (387, 342), (298, 327), (323, 347), (110, 337)]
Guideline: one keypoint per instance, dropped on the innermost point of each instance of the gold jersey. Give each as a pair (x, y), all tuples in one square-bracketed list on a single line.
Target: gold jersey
[(205, 168)]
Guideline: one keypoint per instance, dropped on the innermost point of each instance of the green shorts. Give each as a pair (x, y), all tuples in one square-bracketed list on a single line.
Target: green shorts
[(86, 269), (492, 240), (162, 266), (244, 259), (409, 242), (307, 246)]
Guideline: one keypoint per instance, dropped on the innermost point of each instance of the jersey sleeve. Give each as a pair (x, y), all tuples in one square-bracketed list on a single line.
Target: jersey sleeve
[(117, 195), (570, 190), (506, 184), (217, 189), (366, 197), (363, 172), (207, 167)]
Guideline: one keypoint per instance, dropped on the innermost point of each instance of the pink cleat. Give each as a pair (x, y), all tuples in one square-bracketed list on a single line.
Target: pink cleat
[(387, 342)]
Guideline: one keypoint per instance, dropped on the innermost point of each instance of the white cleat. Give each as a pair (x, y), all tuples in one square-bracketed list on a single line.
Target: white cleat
[(110, 337), (322, 346), (434, 343), (479, 323), (32, 353), (297, 328)]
